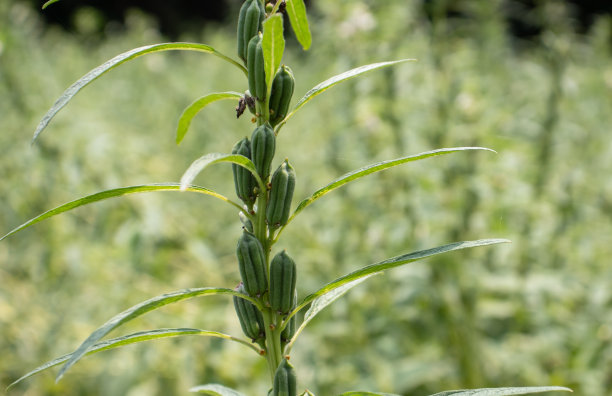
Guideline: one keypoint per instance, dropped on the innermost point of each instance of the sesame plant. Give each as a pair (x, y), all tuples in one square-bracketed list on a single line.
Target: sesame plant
[(270, 312)]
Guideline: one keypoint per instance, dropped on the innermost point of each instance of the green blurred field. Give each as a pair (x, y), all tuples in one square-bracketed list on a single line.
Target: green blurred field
[(536, 312)]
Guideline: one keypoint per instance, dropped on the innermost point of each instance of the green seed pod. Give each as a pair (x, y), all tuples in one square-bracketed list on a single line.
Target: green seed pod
[(250, 20), (281, 194), (256, 68), (244, 181), (252, 264), (285, 380), (263, 145), (288, 331), (251, 319), (280, 96), (283, 275)]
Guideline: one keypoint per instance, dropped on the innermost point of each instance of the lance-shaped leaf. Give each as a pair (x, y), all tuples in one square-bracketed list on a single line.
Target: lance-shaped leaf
[(273, 46), (319, 303), (48, 3), (118, 60), (215, 158), (132, 339), (117, 192), (503, 391), (141, 309), (369, 169), (325, 85), (391, 263), (185, 119), (299, 22), (215, 390), (361, 393)]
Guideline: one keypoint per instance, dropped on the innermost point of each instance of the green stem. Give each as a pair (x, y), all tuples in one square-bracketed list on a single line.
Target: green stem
[(273, 345)]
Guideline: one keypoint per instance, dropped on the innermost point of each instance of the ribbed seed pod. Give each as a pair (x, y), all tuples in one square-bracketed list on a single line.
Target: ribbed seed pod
[(280, 96), (250, 20), (251, 319), (283, 275), (285, 381), (252, 264), (263, 146), (281, 194), (256, 68), (244, 181)]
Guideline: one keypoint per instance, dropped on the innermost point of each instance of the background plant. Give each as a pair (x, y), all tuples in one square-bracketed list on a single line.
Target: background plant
[(358, 195)]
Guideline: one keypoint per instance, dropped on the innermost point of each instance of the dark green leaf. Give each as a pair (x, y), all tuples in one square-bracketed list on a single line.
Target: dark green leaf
[(502, 391), (185, 120), (141, 309), (116, 61), (273, 46), (215, 390), (299, 21), (117, 192), (132, 339)]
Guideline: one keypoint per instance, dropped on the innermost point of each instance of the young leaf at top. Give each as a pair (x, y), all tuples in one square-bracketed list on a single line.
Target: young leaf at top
[(116, 61), (140, 309), (185, 119), (369, 169), (132, 339), (391, 263), (215, 390), (325, 85), (273, 45), (503, 391), (117, 192), (214, 158), (299, 22)]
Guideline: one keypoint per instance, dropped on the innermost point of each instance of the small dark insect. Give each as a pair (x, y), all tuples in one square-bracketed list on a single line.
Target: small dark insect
[(282, 7), (242, 104)]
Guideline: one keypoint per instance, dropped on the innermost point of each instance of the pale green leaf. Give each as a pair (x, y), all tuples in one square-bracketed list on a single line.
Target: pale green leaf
[(132, 339), (215, 390), (273, 46), (369, 169), (392, 263), (325, 85), (503, 391), (185, 119), (48, 3), (319, 303), (117, 192), (307, 393), (116, 61), (299, 22), (141, 309), (214, 158)]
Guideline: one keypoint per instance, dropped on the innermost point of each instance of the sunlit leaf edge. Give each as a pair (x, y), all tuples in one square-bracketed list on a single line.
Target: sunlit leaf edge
[(215, 390), (204, 161), (503, 391)]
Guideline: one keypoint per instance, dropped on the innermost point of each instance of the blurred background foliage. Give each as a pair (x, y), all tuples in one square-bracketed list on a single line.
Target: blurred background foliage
[(532, 80)]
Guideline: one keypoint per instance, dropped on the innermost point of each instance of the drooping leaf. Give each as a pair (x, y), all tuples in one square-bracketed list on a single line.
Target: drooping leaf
[(198, 166), (325, 85), (118, 60), (299, 22), (185, 119), (141, 309), (48, 3), (377, 167), (392, 263), (273, 46), (361, 393), (132, 339), (116, 192), (215, 390), (503, 391), (319, 303)]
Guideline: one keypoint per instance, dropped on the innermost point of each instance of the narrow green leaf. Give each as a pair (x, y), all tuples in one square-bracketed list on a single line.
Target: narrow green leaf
[(185, 119), (48, 3), (503, 391), (299, 22), (117, 192), (361, 393), (391, 263), (215, 390), (307, 393), (319, 303), (273, 45), (118, 60), (214, 158), (369, 169), (141, 309), (132, 339), (325, 85)]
